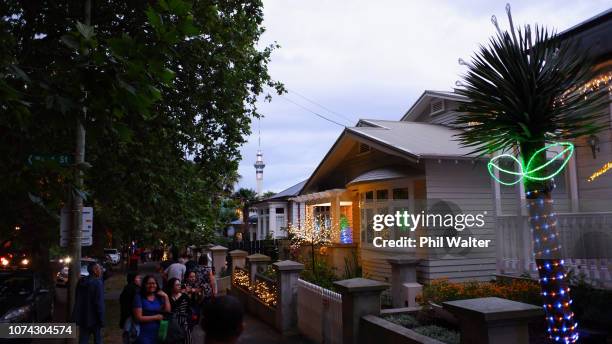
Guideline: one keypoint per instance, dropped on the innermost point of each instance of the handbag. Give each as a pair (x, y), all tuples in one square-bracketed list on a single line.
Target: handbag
[(174, 333), (162, 333)]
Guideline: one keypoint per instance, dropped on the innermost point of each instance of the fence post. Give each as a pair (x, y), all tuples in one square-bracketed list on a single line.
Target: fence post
[(238, 258), (219, 255), (404, 286), (257, 262), (360, 297), (287, 273)]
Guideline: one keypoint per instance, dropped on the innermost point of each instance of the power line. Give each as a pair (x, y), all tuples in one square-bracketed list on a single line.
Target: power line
[(319, 105), (313, 112)]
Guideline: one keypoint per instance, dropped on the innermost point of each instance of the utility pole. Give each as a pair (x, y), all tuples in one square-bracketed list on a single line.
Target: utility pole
[(77, 200)]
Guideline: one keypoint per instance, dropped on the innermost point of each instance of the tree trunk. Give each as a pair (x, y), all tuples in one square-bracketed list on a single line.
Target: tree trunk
[(547, 251)]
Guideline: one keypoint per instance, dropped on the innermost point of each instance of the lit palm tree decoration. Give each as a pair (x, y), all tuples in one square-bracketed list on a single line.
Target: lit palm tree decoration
[(525, 96)]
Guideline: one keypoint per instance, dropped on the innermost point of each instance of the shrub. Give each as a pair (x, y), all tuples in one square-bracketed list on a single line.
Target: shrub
[(324, 276), (440, 333), (518, 290), (405, 320)]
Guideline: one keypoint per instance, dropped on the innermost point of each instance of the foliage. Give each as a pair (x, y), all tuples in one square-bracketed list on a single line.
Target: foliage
[(270, 272), (524, 91), (405, 320), (439, 291), (166, 91), (352, 269), (268, 194), (593, 306), (245, 198), (440, 333), (322, 275)]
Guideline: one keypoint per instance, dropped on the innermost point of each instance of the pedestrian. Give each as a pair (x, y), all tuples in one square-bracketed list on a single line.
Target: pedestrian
[(126, 301), (190, 264), (223, 320), (149, 308), (175, 270), (180, 305), (205, 278), (89, 305), (194, 292)]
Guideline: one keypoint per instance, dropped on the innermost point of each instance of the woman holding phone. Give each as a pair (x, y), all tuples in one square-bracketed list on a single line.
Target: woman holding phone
[(149, 308)]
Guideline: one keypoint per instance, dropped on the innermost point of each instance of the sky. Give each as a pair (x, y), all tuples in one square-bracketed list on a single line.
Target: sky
[(355, 59)]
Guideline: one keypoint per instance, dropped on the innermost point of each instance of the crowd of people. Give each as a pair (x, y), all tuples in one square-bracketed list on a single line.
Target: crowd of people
[(161, 311)]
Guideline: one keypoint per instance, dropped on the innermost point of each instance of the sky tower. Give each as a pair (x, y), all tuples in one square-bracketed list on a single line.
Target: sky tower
[(259, 167)]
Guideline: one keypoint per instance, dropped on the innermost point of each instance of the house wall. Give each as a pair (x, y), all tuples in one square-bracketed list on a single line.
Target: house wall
[(467, 185)]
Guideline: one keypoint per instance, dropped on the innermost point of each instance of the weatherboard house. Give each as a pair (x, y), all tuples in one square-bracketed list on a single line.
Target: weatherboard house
[(379, 171)]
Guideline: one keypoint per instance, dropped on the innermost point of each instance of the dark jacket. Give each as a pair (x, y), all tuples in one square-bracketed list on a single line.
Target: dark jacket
[(126, 301), (89, 303)]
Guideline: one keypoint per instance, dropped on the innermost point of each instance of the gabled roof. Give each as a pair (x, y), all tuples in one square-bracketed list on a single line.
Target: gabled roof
[(283, 195), (424, 99), (416, 139)]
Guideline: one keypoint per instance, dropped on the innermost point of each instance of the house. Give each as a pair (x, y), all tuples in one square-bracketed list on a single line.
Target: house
[(275, 213), (412, 165), (415, 165)]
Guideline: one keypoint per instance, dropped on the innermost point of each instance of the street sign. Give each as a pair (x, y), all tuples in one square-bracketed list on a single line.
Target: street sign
[(86, 230), (61, 159)]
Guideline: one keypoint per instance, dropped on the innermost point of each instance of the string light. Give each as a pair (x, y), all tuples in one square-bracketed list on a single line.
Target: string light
[(265, 291), (241, 278), (530, 171), (601, 171)]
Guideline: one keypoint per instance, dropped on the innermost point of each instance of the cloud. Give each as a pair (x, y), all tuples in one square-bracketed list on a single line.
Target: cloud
[(369, 59)]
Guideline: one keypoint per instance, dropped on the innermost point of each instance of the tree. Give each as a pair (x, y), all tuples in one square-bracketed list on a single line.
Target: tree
[(245, 198), (525, 93), (312, 232), (169, 89)]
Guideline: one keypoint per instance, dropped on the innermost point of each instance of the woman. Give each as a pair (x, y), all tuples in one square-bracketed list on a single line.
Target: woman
[(205, 278), (126, 301), (181, 306), (149, 307), (194, 292)]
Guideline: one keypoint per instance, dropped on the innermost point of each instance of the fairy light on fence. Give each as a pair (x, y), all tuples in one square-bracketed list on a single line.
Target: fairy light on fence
[(265, 292), (241, 278)]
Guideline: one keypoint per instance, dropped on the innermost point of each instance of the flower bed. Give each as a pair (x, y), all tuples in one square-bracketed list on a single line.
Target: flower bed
[(517, 290), (426, 328)]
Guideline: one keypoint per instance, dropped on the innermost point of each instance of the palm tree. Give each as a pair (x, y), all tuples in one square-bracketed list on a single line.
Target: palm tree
[(525, 93), (245, 198)]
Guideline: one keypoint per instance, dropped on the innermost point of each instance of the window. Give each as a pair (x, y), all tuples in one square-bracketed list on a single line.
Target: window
[(401, 193), (369, 196), (382, 195), (280, 210)]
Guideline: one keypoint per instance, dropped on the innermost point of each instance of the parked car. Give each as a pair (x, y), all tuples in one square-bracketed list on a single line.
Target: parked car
[(62, 276), (25, 296), (113, 253)]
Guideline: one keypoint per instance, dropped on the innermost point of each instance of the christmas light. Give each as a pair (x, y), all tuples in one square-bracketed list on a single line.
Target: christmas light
[(530, 171), (346, 233), (265, 291), (241, 278), (601, 171)]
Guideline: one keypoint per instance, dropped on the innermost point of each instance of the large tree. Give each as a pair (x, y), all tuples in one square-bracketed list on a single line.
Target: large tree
[(166, 91), (525, 94)]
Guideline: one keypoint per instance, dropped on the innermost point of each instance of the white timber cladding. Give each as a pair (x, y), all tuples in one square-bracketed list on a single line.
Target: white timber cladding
[(383, 198), (466, 185)]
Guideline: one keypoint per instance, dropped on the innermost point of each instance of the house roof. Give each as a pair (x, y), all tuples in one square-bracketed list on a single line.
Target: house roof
[(288, 192), (379, 174), (418, 140), (424, 99)]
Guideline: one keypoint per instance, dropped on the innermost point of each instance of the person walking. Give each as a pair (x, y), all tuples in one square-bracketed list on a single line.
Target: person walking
[(175, 270), (205, 278), (88, 310), (126, 301), (149, 308), (181, 306)]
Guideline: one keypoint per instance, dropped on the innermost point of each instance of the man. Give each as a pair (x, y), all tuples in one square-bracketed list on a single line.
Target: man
[(126, 299), (89, 305), (223, 320), (175, 270)]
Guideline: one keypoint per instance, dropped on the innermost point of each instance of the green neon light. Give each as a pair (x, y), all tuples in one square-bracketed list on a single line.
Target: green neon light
[(528, 171)]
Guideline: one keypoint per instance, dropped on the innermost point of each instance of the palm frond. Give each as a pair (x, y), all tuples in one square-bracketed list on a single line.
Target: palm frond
[(524, 86)]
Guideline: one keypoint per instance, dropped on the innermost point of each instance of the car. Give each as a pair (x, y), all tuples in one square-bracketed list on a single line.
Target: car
[(113, 253), (25, 297), (62, 276)]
